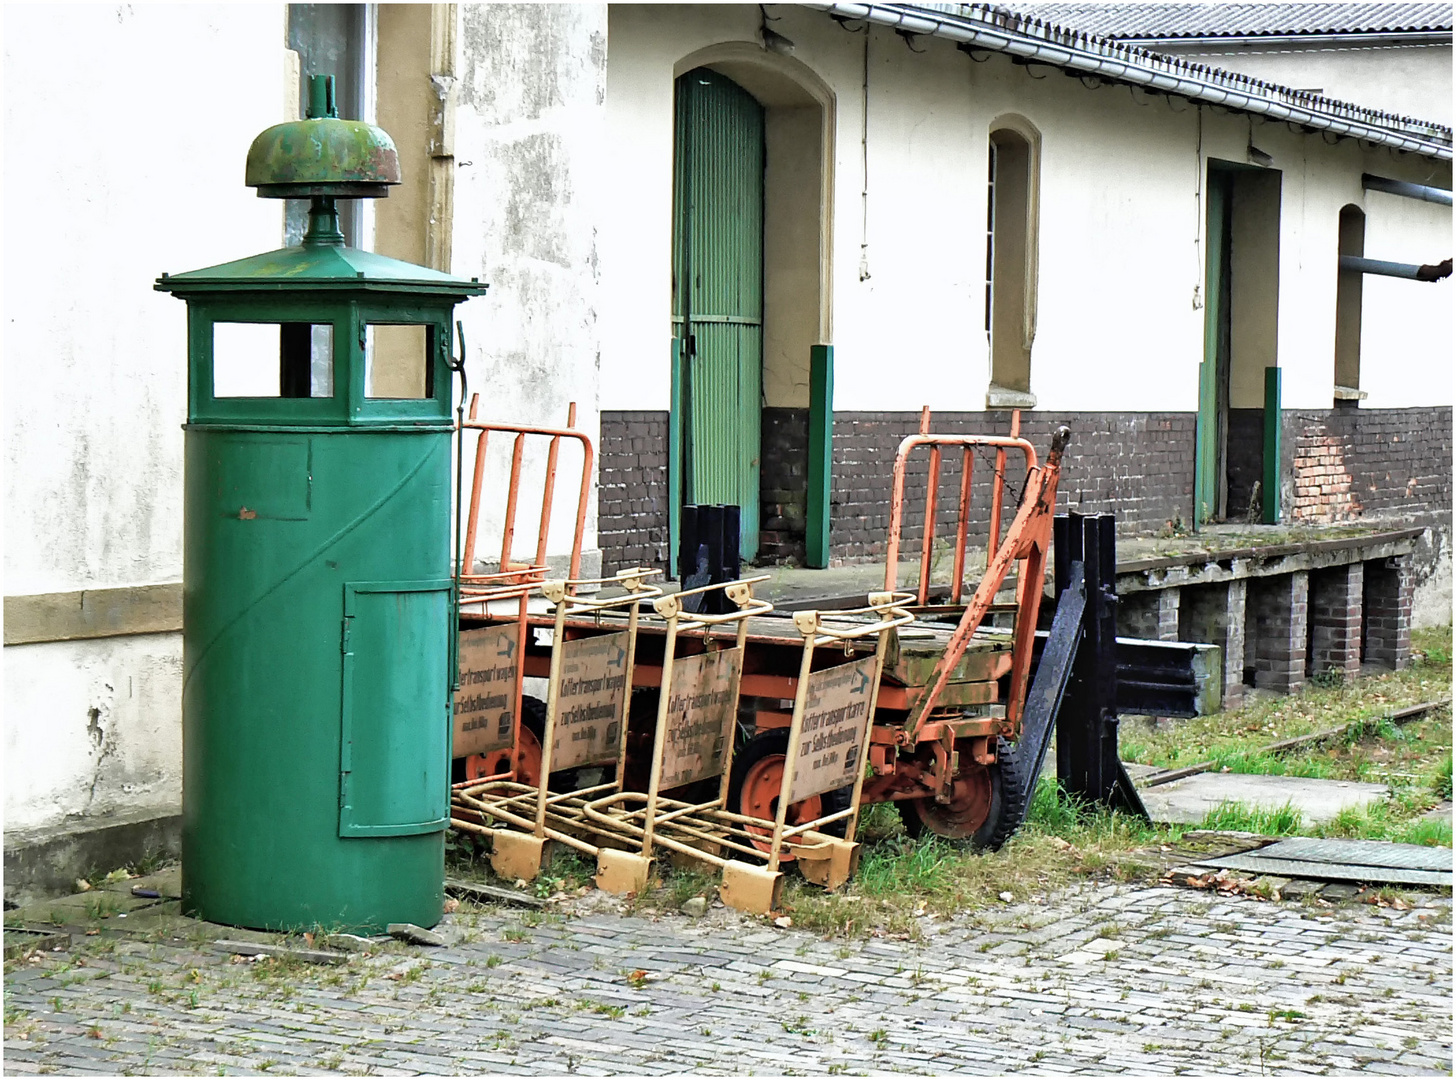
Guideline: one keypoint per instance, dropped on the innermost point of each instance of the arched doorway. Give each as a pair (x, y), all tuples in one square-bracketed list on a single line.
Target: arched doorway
[(783, 437), (717, 301)]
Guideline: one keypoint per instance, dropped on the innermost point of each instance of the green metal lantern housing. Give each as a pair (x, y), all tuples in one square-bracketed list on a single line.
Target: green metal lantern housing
[(317, 594)]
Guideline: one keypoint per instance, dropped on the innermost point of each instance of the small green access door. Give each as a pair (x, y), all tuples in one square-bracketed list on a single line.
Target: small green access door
[(717, 295)]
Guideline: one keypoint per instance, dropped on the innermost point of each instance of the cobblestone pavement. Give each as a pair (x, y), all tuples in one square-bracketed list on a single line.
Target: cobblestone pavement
[(1106, 978)]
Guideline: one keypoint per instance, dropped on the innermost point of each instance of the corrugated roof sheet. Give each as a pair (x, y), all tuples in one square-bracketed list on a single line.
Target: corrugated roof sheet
[(1135, 21), (1000, 29)]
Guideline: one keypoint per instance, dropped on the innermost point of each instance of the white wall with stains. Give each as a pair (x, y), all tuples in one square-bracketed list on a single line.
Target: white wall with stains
[(92, 729), (529, 150), (121, 162)]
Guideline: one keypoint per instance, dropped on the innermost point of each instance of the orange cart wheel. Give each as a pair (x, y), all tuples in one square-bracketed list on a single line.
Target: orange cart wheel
[(980, 808), (495, 762), (758, 776)]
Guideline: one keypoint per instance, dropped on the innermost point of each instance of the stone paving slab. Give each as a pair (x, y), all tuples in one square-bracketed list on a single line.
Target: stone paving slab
[(1189, 801), (1132, 979)]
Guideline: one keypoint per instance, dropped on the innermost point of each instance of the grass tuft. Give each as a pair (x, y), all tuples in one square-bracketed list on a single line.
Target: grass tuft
[(1240, 817), (1441, 780), (889, 869)]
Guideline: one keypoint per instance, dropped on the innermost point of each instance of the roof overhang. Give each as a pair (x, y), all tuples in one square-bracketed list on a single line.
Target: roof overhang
[(1315, 40), (998, 30)]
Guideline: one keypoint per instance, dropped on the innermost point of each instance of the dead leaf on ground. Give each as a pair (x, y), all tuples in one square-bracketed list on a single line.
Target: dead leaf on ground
[(1222, 882)]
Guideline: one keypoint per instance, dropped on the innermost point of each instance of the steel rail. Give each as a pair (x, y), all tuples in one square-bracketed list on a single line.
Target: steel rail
[(1283, 746)]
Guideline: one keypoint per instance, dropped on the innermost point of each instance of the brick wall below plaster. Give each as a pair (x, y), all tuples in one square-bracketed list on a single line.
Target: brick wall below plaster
[(784, 485), (1354, 463), (1139, 465), (632, 490)]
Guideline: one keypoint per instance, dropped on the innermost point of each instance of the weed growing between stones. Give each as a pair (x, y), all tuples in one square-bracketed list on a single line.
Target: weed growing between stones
[(1238, 817)]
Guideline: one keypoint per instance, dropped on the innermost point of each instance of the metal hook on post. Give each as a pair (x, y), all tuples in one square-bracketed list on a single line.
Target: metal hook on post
[(457, 365)]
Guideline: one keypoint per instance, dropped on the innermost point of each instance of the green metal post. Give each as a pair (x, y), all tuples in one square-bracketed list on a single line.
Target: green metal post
[(674, 456), (1272, 427), (821, 454)]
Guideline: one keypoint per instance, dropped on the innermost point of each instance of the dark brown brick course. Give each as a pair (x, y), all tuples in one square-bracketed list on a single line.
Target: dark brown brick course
[(1340, 465), (1139, 465), (632, 506)]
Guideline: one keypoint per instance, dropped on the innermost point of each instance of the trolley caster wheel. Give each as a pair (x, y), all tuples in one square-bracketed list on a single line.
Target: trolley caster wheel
[(757, 779)]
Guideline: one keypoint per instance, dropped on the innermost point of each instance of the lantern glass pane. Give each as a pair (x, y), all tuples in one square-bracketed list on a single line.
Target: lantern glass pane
[(396, 361), (270, 360)]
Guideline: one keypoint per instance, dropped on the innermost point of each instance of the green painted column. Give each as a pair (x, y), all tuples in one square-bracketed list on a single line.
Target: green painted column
[(1206, 464), (1272, 428), (674, 455), (821, 454)]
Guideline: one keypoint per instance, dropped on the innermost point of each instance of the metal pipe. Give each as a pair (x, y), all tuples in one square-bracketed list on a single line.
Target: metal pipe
[(1424, 192), (1098, 56), (932, 498), (998, 488), (963, 522), (1429, 272), (508, 534), (467, 560)]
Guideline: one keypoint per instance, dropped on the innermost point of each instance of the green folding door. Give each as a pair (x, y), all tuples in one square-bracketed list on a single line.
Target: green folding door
[(717, 297)]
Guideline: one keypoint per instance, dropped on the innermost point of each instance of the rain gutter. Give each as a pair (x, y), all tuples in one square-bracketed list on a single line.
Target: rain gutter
[(1312, 40), (1090, 55)]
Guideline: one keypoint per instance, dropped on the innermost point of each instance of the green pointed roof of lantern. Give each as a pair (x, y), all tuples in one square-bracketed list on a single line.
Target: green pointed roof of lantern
[(330, 267)]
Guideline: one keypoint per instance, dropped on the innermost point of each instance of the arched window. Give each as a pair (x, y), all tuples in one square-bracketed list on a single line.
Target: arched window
[(1011, 243), (1347, 310)]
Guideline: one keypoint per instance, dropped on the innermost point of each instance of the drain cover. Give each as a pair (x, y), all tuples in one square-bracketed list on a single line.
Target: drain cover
[(1368, 861), (20, 941)]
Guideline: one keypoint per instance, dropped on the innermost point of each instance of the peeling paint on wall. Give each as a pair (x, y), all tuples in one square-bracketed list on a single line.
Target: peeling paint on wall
[(529, 125), (1322, 483)]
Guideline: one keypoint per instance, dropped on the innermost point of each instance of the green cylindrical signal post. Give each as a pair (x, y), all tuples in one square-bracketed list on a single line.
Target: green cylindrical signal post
[(318, 603)]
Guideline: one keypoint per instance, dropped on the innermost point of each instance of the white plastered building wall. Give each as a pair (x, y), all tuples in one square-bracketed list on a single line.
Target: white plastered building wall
[(1123, 175), (127, 163), (529, 146)]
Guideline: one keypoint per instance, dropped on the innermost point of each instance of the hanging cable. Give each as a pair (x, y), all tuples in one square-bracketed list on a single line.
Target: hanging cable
[(864, 227), (1199, 284)]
